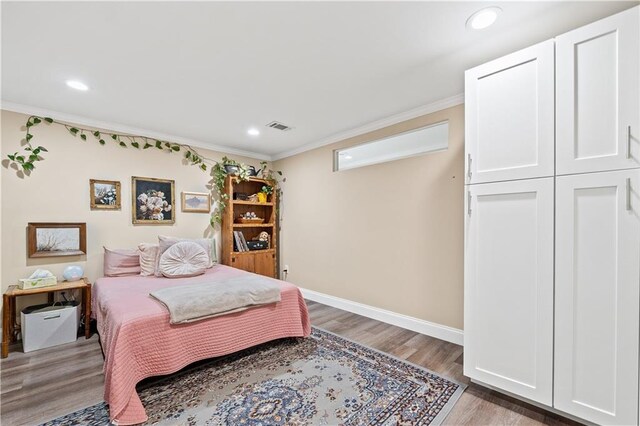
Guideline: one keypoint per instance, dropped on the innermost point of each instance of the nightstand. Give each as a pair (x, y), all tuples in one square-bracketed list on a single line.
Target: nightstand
[(9, 326)]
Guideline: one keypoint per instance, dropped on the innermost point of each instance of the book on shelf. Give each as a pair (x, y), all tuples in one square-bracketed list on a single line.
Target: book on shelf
[(240, 243), (244, 241), (236, 242)]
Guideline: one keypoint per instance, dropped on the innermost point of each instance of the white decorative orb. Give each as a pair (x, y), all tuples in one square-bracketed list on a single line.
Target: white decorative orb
[(73, 272)]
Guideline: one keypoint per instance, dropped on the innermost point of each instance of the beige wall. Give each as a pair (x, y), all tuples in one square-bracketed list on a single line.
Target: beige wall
[(58, 191), (387, 235)]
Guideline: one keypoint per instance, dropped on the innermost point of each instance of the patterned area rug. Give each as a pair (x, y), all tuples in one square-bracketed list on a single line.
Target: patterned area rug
[(322, 380)]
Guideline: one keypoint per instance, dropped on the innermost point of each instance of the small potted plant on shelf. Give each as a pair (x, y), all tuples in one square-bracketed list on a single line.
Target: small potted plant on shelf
[(264, 192)]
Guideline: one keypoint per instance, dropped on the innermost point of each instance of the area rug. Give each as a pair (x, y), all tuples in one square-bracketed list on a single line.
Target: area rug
[(321, 380)]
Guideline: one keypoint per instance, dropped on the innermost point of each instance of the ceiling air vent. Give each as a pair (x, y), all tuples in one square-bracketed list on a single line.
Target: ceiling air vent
[(279, 126)]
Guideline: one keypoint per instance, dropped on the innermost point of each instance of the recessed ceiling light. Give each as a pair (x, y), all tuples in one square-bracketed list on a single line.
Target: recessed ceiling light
[(483, 18), (78, 85), (253, 132)]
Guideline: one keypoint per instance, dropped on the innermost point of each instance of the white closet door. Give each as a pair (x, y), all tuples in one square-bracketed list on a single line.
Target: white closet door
[(509, 116), (597, 296), (508, 318), (598, 95)]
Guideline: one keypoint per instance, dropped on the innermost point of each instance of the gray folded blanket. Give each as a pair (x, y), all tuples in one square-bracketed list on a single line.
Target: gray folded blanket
[(193, 302)]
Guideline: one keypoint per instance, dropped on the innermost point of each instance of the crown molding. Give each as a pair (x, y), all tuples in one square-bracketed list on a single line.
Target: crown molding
[(376, 125), (105, 125)]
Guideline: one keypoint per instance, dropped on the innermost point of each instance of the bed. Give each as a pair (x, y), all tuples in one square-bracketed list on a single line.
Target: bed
[(139, 342)]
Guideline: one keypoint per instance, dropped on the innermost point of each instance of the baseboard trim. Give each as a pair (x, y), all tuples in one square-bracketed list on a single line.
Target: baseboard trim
[(442, 332)]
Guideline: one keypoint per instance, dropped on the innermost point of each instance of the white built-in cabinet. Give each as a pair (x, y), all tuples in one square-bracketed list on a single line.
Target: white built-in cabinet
[(509, 270), (552, 228), (598, 96), (511, 123), (597, 297)]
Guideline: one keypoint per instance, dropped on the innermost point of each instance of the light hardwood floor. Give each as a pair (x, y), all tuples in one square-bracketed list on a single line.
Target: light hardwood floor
[(46, 384)]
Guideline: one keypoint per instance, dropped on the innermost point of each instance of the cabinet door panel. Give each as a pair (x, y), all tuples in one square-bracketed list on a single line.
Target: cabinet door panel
[(510, 116), (598, 95), (265, 264), (244, 262), (508, 319), (597, 297)]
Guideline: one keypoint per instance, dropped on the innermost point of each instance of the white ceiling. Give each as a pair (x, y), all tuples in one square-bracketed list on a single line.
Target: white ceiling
[(208, 71)]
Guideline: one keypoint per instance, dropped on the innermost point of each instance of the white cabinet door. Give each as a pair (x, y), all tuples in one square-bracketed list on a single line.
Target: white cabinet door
[(598, 95), (597, 298), (508, 317), (509, 116)]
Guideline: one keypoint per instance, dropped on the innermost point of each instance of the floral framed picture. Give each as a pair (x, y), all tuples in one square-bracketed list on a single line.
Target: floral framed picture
[(152, 201), (105, 194), (196, 202)]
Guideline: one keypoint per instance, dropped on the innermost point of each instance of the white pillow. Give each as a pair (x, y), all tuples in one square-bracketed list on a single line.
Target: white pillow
[(165, 242), (184, 259), (148, 255)]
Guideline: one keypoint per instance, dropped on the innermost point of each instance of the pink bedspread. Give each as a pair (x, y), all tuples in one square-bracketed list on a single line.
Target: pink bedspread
[(139, 342)]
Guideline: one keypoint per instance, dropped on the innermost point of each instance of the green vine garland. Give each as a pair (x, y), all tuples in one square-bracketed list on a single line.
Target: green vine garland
[(31, 155)]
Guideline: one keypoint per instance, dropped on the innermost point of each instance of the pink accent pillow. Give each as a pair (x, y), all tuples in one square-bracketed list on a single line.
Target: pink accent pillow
[(184, 259), (148, 255), (121, 262)]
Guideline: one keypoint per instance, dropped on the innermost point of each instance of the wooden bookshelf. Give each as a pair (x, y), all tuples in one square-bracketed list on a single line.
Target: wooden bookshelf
[(261, 262)]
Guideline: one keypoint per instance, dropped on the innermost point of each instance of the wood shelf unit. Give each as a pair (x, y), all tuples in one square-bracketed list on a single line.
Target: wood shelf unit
[(261, 262)]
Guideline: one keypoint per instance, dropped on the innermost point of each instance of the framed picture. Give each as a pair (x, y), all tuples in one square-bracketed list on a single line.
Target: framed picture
[(105, 194), (56, 239), (153, 201), (196, 202)]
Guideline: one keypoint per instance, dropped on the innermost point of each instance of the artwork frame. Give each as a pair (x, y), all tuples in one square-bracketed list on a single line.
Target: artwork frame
[(161, 210), (96, 199), (202, 203), (43, 237)]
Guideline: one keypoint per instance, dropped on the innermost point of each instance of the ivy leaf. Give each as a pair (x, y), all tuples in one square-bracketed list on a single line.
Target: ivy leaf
[(36, 151), (158, 144), (187, 154), (203, 167), (279, 172), (102, 142), (20, 159), (147, 145), (167, 144), (135, 144), (175, 148), (96, 134), (83, 137), (29, 124), (122, 144), (74, 131), (12, 157), (43, 149), (36, 120), (114, 137), (33, 158), (48, 120), (29, 136), (28, 148), (28, 166)]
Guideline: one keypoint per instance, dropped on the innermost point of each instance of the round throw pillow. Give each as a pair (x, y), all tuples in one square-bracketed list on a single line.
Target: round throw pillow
[(184, 259)]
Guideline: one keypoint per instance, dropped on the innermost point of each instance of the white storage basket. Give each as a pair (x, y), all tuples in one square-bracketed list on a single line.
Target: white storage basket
[(49, 325)]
